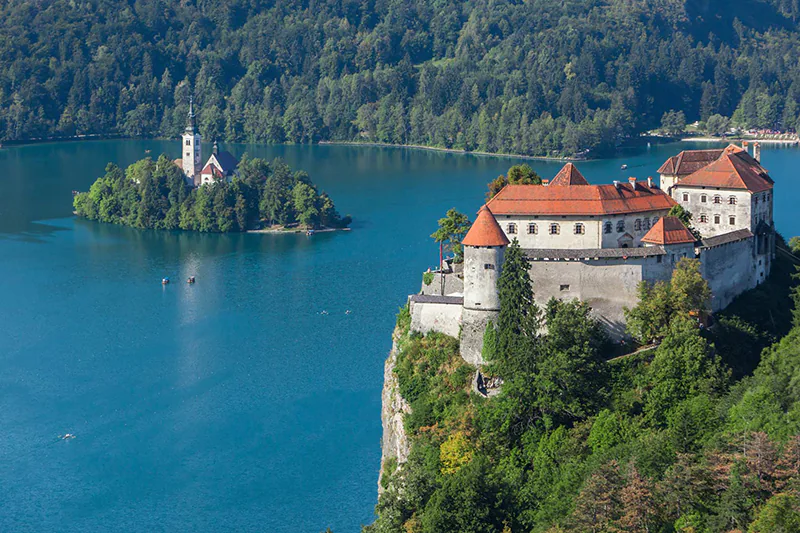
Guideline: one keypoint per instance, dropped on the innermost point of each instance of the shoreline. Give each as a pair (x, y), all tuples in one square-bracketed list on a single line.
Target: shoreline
[(454, 151), (788, 142), (283, 230)]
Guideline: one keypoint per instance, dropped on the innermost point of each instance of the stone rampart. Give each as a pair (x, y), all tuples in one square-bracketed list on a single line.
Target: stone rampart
[(729, 266), (436, 313)]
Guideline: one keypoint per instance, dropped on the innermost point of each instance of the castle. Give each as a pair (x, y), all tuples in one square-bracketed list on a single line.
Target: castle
[(598, 242), (220, 166)]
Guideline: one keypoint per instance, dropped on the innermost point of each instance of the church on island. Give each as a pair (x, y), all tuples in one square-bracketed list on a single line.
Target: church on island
[(596, 243), (220, 166)]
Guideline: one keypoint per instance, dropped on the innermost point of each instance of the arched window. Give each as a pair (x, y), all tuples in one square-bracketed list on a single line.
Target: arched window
[(620, 226), (579, 229), (703, 218), (512, 228), (532, 229), (732, 200), (608, 227), (637, 225), (717, 199), (703, 198), (646, 223), (554, 229)]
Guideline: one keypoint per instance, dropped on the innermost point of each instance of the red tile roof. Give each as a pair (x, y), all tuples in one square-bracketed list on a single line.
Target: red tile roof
[(689, 161), (485, 231), (569, 175), (623, 198), (669, 230), (735, 169)]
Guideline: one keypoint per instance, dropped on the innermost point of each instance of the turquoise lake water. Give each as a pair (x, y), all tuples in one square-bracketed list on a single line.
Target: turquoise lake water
[(233, 404)]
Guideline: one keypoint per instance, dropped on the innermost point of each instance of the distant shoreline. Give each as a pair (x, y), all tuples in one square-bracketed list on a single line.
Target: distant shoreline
[(740, 139), (453, 151), (284, 230)]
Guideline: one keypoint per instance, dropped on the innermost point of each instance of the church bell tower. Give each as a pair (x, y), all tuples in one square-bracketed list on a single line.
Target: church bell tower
[(190, 148)]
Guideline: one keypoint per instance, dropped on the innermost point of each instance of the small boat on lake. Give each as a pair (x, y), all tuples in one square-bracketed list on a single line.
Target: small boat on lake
[(190, 280), (165, 281), (624, 167), (310, 232)]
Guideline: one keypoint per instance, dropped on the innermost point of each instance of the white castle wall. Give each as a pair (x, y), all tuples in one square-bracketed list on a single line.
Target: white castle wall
[(432, 316)]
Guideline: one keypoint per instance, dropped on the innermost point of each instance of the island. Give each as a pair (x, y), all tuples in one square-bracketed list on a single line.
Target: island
[(597, 358), (223, 196)]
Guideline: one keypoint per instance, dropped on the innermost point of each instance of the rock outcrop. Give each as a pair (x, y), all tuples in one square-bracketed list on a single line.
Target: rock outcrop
[(394, 443)]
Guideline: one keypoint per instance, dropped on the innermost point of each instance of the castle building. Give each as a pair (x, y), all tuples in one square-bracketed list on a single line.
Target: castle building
[(220, 166), (597, 243)]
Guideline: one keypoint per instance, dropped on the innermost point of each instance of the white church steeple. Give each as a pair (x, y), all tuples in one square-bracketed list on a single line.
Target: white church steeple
[(190, 148)]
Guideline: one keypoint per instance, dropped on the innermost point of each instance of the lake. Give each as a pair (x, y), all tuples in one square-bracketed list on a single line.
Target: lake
[(234, 403)]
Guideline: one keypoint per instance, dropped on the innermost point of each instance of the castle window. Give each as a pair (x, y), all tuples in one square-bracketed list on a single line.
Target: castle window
[(686, 197), (658, 259), (732, 220), (732, 200), (716, 219), (554, 229), (188, 142), (608, 227), (718, 199), (188, 154), (532, 229), (655, 220), (620, 226), (646, 223), (637, 225), (512, 228), (579, 229), (564, 287), (488, 266), (756, 200), (703, 198), (703, 218)]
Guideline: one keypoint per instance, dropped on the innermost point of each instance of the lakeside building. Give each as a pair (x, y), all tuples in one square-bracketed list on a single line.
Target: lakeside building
[(220, 166), (596, 243)]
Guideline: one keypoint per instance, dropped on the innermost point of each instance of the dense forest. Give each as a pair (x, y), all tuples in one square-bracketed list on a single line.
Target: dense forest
[(697, 434), (154, 194), (533, 77)]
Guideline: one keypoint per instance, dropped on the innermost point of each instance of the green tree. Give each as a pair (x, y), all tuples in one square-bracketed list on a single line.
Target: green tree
[(780, 514), (673, 123), (452, 229), (717, 125), (305, 204)]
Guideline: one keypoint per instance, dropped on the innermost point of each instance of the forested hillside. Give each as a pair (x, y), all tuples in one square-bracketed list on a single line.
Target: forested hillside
[(520, 77)]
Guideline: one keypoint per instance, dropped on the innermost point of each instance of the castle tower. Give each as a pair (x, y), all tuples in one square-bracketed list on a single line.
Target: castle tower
[(190, 147), (484, 248)]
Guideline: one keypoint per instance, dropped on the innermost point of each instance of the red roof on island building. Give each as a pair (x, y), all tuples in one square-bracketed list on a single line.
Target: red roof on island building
[(735, 169), (574, 198), (669, 230), (485, 231)]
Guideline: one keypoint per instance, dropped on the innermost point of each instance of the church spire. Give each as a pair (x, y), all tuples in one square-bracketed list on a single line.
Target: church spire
[(190, 117)]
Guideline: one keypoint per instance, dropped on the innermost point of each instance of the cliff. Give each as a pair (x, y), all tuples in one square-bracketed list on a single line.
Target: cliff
[(394, 443)]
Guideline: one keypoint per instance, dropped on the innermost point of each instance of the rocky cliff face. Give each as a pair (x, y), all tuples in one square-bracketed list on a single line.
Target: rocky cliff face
[(394, 444)]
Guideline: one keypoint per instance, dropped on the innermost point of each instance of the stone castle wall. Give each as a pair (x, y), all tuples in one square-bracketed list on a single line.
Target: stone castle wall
[(730, 270)]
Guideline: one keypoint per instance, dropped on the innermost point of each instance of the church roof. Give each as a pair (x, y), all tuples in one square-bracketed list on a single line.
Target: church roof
[(569, 175), (735, 169), (178, 162), (485, 231), (689, 161), (227, 161), (669, 230), (620, 198)]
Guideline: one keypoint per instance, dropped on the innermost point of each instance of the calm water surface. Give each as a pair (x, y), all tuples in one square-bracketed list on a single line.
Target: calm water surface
[(233, 404)]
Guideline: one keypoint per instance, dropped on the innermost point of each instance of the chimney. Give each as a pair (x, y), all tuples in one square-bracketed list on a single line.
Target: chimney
[(757, 151), (545, 182), (632, 181), (616, 184), (649, 182)]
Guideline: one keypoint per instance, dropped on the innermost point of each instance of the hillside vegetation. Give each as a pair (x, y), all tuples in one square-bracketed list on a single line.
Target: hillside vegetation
[(533, 77), (666, 440)]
